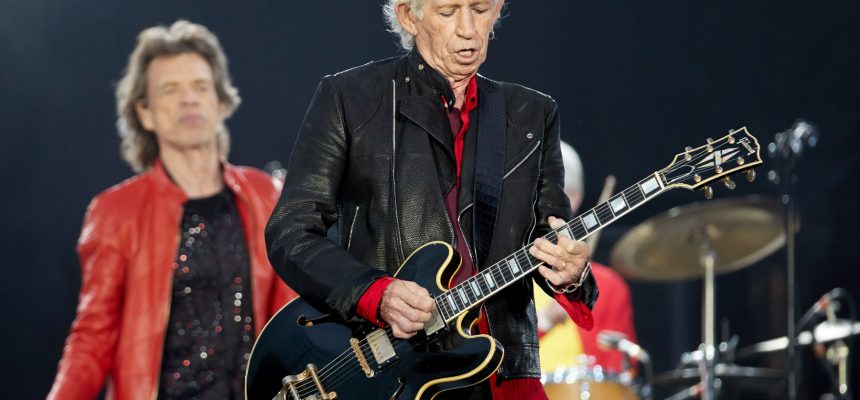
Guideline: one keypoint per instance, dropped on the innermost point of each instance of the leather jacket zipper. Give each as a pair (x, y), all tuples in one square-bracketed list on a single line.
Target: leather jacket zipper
[(394, 167), (352, 227), (468, 247), (522, 161)]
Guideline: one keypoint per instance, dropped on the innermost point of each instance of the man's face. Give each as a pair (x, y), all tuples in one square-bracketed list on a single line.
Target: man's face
[(182, 107), (452, 35)]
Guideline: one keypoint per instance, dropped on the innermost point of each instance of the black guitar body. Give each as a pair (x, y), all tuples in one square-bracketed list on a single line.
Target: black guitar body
[(300, 334)]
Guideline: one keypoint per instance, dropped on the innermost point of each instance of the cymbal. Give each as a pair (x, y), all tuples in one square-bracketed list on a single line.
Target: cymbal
[(822, 333), (734, 375), (667, 247)]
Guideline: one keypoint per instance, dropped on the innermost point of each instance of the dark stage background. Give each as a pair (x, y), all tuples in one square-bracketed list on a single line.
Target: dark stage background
[(636, 82)]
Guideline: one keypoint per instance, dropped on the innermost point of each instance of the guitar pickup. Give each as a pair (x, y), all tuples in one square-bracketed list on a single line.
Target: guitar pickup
[(435, 326), (382, 349)]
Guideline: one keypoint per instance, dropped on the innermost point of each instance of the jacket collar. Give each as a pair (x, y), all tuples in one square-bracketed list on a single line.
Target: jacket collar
[(419, 69), (162, 182)]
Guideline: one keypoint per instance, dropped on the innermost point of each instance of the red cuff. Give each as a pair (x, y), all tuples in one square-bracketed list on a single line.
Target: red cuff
[(368, 303), (577, 310)]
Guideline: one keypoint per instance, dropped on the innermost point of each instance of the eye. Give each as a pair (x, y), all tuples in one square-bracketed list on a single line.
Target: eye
[(448, 12), (480, 10), (168, 90), (202, 87)]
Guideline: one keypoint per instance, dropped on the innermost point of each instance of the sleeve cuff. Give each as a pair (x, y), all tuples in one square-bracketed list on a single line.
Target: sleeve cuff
[(368, 303), (577, 310)]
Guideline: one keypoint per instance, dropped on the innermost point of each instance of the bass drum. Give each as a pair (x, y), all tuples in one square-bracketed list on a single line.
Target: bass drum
[(580, 383)]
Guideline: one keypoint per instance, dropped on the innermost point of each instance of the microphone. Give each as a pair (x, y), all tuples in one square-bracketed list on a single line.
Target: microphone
[(611, 340), (821, 305)]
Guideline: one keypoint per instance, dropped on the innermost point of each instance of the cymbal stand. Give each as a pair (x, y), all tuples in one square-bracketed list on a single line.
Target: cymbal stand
[(787, 148), (708, 348)]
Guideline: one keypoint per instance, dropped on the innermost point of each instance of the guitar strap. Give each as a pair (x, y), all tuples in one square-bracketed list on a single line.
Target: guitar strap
[(489, 164)]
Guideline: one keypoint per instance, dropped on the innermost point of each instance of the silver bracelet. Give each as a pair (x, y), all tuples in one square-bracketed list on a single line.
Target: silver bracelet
[(573, 286)]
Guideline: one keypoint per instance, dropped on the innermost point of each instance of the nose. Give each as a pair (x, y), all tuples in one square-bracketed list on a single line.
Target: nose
[(466, 24), (189, 96)]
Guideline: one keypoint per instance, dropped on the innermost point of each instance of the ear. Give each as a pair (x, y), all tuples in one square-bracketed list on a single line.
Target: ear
[(144, 114), (407, 18)]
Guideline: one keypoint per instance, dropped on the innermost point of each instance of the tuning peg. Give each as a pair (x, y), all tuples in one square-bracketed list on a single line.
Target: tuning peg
[(710, 146), (750, 175), (687, 156), (730, 184), (709, 193)]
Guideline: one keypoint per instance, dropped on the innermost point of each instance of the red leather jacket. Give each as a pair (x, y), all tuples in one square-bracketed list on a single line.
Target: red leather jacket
[(127, 247)]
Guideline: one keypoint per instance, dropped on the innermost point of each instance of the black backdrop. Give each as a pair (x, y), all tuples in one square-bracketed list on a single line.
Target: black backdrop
[(636, 82)]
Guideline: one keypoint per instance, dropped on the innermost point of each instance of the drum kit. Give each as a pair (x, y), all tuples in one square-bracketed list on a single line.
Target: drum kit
[(706, 240), (703, 240)]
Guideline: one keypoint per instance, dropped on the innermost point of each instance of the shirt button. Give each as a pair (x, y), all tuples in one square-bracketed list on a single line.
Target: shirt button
[(530, 135)]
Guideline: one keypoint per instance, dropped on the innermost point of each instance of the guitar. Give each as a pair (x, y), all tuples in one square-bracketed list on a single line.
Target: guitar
[(305, 353)]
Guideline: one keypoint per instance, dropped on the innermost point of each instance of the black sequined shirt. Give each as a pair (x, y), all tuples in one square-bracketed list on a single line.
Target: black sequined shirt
[(210, 328)]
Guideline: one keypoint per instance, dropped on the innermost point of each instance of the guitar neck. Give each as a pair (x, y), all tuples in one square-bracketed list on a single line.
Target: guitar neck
[(502, 274)]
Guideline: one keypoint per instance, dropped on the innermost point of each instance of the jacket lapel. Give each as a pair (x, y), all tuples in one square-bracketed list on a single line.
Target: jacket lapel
[(424, 112), (489, 164)]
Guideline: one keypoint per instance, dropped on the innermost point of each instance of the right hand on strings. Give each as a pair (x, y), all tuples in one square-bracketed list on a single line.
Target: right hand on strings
[(405, 306)]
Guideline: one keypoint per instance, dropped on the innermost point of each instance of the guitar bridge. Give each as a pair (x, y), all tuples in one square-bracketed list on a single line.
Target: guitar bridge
[(289, 391)]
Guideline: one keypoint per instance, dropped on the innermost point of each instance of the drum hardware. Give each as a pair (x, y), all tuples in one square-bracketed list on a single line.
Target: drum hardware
[(824, 332), (786, 149), (617, 341), (830, 340), (702, 240), (586, 380)]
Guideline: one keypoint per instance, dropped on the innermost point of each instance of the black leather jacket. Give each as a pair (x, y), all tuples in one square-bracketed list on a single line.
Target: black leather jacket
[(375, 156)]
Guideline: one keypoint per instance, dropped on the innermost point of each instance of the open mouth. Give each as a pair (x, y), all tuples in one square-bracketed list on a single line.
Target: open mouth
[(466, 52)]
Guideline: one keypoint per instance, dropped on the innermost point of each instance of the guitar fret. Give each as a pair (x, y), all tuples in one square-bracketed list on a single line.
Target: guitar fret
[(505, 272), (441, 305), (470, 295), (565, 231), (482, 284), (604, 214), (577, 228), (634, 195)]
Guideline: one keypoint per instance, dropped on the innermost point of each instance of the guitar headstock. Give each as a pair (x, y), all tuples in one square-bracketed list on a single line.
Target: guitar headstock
[(695, 168)]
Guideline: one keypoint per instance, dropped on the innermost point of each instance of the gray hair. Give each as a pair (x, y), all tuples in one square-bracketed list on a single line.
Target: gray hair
[(139, 147), (389, 10), (573, 175)]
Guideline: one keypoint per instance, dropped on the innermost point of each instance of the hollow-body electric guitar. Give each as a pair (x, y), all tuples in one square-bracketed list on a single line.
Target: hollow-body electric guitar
[(308, 354)]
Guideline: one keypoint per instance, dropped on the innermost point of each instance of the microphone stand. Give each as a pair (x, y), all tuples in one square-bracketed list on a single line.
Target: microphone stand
[(787, 148)]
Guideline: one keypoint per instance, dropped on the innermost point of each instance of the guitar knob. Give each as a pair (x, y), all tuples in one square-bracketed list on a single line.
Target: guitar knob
[(730, 184), (750, 175), (709, 193)]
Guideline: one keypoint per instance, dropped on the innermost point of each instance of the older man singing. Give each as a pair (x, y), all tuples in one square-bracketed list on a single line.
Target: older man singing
[(416, 148)]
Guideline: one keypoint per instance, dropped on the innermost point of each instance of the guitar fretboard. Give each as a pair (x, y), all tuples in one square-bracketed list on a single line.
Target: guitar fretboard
[(493, 279)]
